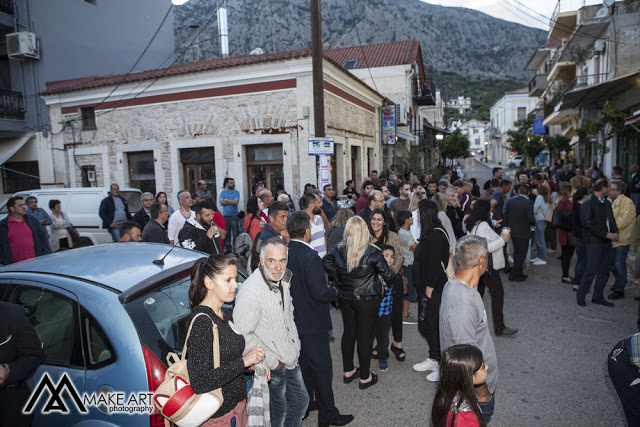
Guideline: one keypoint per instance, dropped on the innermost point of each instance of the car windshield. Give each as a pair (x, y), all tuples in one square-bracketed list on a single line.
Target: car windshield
[(133, 199), (162, 315)]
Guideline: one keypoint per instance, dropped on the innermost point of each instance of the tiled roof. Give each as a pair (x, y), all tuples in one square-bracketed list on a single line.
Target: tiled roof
[(377, 55)]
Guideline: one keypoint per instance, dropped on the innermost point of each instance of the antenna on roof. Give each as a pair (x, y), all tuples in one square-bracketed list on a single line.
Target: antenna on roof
[(161, 260)]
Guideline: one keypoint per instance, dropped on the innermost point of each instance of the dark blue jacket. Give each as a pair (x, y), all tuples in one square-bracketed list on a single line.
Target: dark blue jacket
[(40, 240), (310, 290), (108, 208), (267, 233)]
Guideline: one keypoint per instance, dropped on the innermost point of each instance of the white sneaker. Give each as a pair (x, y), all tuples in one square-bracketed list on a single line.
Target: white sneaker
[(434, 376), (534, 260), (539, 262), (427, 365), (510, 259)]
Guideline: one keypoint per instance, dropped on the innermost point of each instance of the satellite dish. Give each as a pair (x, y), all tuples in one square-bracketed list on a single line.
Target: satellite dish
[(608, 3), (603, 12)]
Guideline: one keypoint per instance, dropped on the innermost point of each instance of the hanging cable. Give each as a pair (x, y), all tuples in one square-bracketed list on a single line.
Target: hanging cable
[(353, 16)]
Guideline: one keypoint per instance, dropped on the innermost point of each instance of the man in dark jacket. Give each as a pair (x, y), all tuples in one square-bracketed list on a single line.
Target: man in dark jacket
[(114, 212), (21, 236), (375, 200), (598, 230), (311, 296), (154, 231), (278, 214), (518, 216), (143, 216), (200, 233), (20, 356)]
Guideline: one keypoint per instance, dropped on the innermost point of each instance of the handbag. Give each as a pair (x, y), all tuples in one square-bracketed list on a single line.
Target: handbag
[(549, 215), (73, 232), (562, 220), (449, 270), (175, 399)]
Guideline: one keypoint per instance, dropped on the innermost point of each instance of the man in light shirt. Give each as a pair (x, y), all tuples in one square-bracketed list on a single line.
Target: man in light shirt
[(177, 220)]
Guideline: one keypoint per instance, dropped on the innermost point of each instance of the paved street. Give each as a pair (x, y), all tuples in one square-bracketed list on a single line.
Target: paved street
[(553, 372)]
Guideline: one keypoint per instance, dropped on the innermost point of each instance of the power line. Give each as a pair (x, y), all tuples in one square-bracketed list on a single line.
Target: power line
[(353, 16)]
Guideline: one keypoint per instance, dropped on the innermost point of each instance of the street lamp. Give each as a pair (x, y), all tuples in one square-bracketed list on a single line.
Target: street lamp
[(439, 137)]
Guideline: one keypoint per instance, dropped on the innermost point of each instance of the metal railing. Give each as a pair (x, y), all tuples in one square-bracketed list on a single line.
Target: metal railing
[(424, 91), (589, 80), (537, 81), (6, 6), (570, 6), (11, 105)]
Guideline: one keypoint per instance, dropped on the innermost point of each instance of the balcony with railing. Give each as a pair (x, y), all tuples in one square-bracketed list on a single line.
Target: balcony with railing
[(565, 17), (537, 84), (6, 6), (424, 91), (11, 105)]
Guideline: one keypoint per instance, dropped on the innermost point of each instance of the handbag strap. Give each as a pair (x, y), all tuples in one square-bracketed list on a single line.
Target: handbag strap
[(216, 340), (447, 236)]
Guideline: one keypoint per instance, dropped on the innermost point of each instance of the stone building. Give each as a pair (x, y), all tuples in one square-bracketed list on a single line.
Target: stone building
[(246, 117)]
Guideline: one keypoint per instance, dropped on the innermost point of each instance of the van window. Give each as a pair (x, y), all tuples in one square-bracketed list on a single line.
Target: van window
[(83, 204), (133, 199)]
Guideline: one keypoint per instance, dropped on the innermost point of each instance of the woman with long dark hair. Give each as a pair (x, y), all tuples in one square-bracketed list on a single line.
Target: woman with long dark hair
[(431, 258), (356, 266), (479, 223), (213, 283), (564, 236), (381, 236), (456, 403), (161, 197), (252, 223)]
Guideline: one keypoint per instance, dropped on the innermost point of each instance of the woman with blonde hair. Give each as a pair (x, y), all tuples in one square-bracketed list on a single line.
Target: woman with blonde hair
[(355, 267), (419, 194), (540, 207), (441, 202)]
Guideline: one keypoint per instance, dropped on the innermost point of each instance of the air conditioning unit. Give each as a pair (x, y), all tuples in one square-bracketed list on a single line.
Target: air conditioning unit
[(401, 114), (599, 46), (22, 45)]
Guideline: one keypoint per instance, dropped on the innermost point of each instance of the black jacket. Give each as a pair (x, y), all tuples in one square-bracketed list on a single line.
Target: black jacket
[(575, 220), (593, 217), (194, 237), (142, 218), (155, 232), (518, 216), (427, 270), (309, 289), (40, 240), (365, 281), (108, 208)]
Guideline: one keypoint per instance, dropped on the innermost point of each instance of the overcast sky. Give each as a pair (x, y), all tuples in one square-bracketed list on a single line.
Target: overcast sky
[(509, 10)]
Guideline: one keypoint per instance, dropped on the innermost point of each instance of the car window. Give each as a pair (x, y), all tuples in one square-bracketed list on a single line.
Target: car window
[(133, 199), (4, 210), (51, 315), (99, 351)]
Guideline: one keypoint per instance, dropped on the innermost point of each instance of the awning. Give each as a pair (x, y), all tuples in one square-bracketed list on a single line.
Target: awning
[(10, 146), (574, 140), (633, 121), (408, 136), (435, 130), (623, 91)]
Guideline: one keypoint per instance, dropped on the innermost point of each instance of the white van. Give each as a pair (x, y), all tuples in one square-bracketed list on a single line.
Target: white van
[(81, 205)]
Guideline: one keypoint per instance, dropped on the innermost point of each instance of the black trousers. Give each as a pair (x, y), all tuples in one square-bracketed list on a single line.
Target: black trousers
[(494, 283), (567, 254), (622, 373), (359, 318), (520, 246), (317, 373), (393, 322), (429, 322), (12, 400)]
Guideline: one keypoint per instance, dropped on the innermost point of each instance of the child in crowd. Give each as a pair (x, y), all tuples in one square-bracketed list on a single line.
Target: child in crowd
[(456, 403), (389, 317), (405, 220)]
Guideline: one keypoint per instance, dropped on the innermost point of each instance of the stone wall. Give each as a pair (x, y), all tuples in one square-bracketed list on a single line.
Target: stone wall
[(346, 118), (94, 160)]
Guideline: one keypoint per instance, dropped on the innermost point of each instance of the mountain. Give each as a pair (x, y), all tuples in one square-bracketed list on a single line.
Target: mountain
[(463, 41)]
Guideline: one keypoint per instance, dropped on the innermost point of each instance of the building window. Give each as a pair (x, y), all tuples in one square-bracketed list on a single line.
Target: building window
[(264, 162), (88, 176), (142, 174), (350, 64), (522, 113), (20, 176), (199, 164), (88, 118)]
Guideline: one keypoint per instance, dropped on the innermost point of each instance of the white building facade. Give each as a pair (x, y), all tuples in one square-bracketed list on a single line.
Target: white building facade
[(513, 106)]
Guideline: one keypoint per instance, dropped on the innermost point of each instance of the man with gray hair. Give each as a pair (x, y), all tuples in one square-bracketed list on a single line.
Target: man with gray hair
[(143, 216), (179, 217), (463, 319)]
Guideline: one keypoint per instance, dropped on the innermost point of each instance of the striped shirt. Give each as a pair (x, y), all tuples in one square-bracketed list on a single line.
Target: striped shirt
[(317, 236)]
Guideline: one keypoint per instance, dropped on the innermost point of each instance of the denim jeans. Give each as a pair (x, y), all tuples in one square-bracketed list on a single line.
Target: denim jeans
[(288, 397), (115, 233), (408, 273), (232, 228), (596, 265), (581, 258), (487, 408), (541, 245), (623, 373), (619, 263), (527, 257)]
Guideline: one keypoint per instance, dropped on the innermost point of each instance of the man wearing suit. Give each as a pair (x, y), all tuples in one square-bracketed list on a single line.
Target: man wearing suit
[(143, 216), (311, 297), (518, 215), (154, 231), (20, 355)]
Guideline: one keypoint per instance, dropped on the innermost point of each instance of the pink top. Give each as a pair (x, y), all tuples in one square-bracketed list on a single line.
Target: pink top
[(463, 419), (20, 240)]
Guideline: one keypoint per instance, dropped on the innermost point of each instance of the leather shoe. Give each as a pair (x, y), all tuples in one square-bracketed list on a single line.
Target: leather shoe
[(616, 295), (581, 302), (313, 406), (340, 420), (602, 302), (507, 270), (505, 331), (518, 279)]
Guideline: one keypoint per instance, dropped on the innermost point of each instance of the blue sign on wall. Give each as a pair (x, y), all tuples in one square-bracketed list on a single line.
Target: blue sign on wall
[(388, 113), (538, 127)]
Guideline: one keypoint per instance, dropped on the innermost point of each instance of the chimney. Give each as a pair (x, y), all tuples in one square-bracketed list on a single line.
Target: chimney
[(222, 31)]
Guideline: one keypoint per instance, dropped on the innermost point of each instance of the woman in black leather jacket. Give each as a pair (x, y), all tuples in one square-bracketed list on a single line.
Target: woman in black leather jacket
[(357, 267)]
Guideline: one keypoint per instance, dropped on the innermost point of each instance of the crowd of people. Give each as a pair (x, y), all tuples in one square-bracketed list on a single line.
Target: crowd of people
[(398, 250)]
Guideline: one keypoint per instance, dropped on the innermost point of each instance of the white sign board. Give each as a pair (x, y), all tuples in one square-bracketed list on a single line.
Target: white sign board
[(320, 146)]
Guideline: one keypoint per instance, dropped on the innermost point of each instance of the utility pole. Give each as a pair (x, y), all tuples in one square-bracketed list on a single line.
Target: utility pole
[(318, 80)]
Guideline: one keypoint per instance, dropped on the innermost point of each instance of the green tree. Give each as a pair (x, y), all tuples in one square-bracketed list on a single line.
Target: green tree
[(455, 145), (556, 144), (413, 160)]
